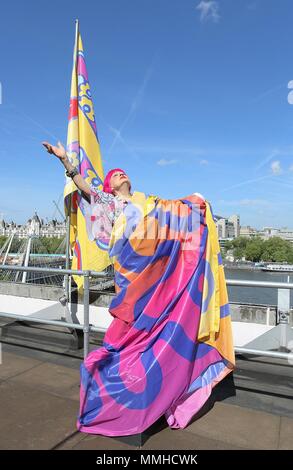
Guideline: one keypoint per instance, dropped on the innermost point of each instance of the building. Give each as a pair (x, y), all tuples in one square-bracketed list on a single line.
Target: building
[(267, 232), (284, 233), (35, 226), (248, 231), (228, 228)]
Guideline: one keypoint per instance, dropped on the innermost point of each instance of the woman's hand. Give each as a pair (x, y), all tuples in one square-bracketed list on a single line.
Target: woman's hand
[(59, 151)]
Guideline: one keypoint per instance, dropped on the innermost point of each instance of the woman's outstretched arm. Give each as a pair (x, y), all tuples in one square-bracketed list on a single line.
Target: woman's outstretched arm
[(60, 152)]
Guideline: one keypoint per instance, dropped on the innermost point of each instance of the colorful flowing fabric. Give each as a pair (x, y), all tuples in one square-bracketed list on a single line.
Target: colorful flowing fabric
[(84, 153), (170, 341)]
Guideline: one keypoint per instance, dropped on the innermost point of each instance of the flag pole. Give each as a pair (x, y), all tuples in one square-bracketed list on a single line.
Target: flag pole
[(67, 280), (76, 39)]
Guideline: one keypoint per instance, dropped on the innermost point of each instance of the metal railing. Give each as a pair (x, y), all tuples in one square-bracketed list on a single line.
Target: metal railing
[(86, 327), (283, 309)]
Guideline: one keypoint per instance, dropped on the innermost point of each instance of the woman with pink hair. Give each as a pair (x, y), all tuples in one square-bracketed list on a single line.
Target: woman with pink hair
[(170, 341), (107, 203)]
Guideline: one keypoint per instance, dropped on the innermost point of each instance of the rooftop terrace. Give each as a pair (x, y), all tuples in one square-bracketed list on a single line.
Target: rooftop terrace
[(39, 390)]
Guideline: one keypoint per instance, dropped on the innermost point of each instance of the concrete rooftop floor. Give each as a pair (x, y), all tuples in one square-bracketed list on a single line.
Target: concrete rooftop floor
[(39, 399)]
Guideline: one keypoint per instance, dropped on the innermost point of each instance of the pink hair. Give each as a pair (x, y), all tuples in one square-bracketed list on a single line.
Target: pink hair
[(107, 187)]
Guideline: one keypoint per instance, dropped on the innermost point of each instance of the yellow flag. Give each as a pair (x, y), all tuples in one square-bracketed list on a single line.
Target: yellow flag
[(84, 153)]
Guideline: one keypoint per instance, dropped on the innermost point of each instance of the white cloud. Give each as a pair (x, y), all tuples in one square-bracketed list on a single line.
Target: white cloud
[(276, 167), (209, 10), (204, 162), (291, 168), (164, 162)]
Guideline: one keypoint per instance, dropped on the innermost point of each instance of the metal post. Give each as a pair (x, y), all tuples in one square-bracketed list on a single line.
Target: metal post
[(283, 314), (67, 279), (9, 245), (67, 262), (27, 257), (86, 313)]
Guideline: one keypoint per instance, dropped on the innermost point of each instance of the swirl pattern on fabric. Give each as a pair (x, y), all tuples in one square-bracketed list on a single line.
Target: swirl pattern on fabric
[(170, 341)]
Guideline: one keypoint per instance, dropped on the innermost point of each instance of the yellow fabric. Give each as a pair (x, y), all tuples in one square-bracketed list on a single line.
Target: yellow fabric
[(80, 130), (210, 315), (213, 329), (143, 203)]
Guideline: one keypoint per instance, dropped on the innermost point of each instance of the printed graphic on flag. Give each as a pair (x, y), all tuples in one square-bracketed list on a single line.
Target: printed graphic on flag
[(83, 150)]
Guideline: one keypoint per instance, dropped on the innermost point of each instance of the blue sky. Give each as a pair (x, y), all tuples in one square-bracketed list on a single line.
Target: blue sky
[(189, 95)]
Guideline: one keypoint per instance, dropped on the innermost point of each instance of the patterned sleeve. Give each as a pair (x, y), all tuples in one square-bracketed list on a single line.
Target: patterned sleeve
[(101, 196), (102, 216)]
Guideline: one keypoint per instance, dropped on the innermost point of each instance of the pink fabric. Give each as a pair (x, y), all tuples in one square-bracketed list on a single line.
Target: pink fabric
[(180, 415)]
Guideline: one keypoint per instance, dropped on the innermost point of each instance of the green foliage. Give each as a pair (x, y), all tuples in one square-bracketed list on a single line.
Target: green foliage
[(2, 240), (15, 245), (240, 242), (274, 249), (238, 253), (46, 245), (254, 250), (50, 244)]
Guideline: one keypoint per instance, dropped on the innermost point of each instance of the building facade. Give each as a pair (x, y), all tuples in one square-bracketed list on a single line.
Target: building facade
[(284, 233), (35, 226), (228, 228), (248, 231)]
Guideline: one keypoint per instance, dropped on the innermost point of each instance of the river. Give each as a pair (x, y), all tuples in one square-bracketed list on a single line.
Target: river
[(256, 295)]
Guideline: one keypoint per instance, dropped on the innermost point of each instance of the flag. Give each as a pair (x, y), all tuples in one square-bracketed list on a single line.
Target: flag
[(83, 150)]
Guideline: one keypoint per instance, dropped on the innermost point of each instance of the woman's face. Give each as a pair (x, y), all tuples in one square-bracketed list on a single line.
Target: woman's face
[(117, 179)]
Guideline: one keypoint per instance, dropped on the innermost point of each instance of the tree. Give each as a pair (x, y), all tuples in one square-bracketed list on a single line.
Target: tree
[(238, 253), (278, 250), (2, 240), (274, 249), (254, 250), (240, 242)]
